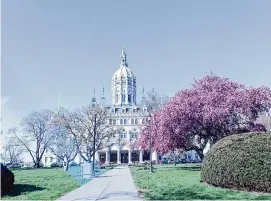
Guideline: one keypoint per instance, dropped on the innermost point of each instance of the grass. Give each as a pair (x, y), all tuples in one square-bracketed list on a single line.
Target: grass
[(40, 184), (46, 183), (182, 182)]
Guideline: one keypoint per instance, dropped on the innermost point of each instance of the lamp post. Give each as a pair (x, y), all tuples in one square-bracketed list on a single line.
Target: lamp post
[(94, 143), (149, 120)]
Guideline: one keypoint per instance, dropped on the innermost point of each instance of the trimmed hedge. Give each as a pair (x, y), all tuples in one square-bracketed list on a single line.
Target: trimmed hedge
[(240, 161)]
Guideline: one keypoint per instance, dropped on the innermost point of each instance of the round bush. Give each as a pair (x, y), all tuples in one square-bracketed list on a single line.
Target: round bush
[(240, 161), (7, 179)]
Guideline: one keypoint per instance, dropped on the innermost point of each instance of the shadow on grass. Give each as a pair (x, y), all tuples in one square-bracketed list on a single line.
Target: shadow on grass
[(195, 194), (18, 189), (188, 168)]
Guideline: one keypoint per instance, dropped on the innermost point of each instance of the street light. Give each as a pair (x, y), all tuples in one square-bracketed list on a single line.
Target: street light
[(94, 143), (149, 120)]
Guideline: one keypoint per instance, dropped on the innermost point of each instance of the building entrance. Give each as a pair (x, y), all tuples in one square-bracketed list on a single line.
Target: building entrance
[(113, 157), (146, 156), (102, 157), (135, 156), (124, 157)]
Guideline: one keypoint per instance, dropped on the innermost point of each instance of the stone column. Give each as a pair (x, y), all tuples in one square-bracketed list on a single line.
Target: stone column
[(155, 156), (118, 157), (129, 156), (97, 156), (141, 157), (107, 157)]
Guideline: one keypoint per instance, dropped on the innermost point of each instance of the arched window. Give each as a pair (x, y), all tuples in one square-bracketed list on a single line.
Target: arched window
[(143, 121), (136, 122), (121, 122), (132, 121), (125, 121)]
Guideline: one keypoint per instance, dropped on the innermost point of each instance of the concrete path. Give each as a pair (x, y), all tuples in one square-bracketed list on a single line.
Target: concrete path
[(116, 184)]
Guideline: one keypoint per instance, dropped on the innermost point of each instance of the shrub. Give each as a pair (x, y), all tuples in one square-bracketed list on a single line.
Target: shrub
[(240, 161), (73, 163), (7, 179)]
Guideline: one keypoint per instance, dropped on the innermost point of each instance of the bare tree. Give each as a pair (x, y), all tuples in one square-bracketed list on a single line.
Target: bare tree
[(35, 134), (86, 122), (154, 101), (12, 151), (63, 146)]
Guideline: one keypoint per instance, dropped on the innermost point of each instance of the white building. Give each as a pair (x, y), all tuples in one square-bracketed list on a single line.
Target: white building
[(126, 115)]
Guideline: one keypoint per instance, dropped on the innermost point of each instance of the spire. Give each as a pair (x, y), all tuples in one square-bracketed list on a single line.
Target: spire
[(93, 100), (123, 59), (102, 103), (143, 101)]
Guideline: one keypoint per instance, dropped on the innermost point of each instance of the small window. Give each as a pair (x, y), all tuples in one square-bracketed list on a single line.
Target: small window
[(114, 121), (132, 121), (125, 121), (143, 121), (110, 121), (136, 122), (121, 122), (123, 135)]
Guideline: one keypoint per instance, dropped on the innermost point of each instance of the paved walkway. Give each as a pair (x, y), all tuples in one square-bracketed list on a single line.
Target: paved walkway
[(116, 184)]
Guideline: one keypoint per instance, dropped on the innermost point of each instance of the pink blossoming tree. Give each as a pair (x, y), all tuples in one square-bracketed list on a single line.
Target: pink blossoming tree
[(213, 108)]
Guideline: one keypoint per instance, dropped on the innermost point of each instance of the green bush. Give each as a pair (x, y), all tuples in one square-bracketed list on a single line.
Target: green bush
[(7, 179), (240, 161)]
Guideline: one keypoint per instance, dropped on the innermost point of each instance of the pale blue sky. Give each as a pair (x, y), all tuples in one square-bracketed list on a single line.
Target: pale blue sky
[(74, 46)]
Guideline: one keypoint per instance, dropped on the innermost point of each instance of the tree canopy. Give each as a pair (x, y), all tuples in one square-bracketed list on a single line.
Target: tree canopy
[(213, 108)]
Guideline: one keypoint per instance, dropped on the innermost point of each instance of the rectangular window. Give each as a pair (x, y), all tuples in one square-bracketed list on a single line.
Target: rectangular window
[(46, 159), (123, 135)]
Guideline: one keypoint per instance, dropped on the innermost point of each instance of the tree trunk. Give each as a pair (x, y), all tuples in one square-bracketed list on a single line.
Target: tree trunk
[(65, 164), (66, 167), (201, 155), (37, 165)]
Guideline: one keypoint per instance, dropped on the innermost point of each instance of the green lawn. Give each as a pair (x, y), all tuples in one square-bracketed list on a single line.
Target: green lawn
[(183, 183), (40, 184)]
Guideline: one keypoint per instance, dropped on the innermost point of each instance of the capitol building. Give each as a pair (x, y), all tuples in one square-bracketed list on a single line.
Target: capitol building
[(125, 115)]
